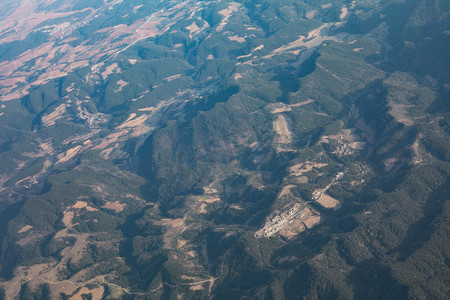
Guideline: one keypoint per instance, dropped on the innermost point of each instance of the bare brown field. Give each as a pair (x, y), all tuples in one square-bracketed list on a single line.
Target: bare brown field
[(344, 13), (236, 38), (329, 202), (280, 126), (400, 113), (25, 228), (121, 84), (233, 7), (312, 221), (50, 119), (116, 206)]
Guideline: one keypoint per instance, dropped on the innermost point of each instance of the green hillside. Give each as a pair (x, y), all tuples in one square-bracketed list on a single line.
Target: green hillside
[(226, 150)]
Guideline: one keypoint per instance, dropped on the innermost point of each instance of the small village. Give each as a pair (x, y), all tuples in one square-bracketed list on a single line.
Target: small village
[(280, 221)]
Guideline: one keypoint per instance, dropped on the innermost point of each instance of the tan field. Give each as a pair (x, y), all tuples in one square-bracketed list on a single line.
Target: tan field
[(233, 7), (171, 78), (236, 38), (280, 126), (313, 221), (344, 13), (25, 228), (69, 154), (400, 113), (116, 206), (121, 84), (50, 119), (329, 202)]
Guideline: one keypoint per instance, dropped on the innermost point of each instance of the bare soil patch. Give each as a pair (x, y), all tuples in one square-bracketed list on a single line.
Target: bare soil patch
[(197, 287), (172, 78), (390, 163), (311, 14), (69, 154), (312, 221), (329, 202), (50, 119), (116, 206), (344, 13), (302, 103), (236, 38), (286, 190), (25, 228), (280, 126), (400, 113), (121, 84), (233, 7)]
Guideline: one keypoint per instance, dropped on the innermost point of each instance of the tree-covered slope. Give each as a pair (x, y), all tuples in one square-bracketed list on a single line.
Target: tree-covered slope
[(225, 149)]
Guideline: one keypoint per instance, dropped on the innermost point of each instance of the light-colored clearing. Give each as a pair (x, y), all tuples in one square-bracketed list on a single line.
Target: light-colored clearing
[(358, 49), (25, 229), (211, 200), (182, 243), (313, 39), (287, 259), (193, 28), (279, 107), (134, 122), (311, 14), (237, 207), (237, 76), (313, 221), (132, 61), (21, 275), (400, 114), (329, 202), (208, 190), (197, 287), (202, 209), (173, 77), (357, 145), (80, 204), (415, 148), (116, 206), (83, 204), (300, 169), (70, 88), (69, 154), (302, 103), (389, 163), (136, 8), (121, 83), (344, 12), (233, 7), (325, 6), (174, 227), (286, 190), (191, 253), (236, 38), (51, 118), (280, 126), (110, 69), (147, 109)]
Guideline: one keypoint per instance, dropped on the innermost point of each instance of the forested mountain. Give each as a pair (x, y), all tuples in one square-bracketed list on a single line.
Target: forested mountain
[(224, 149)]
